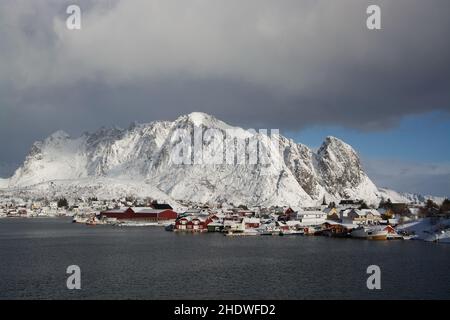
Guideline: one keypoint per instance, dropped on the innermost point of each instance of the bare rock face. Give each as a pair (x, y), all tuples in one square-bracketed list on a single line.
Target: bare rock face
[(340, 167), (141, 158)]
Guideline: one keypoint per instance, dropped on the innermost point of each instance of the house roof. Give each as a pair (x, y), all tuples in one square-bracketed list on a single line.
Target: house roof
[(315, 212), (215, 224), (345, 225), (150, 210), (119, 210), (161, 206), (136, 210), (365, 212), (372, 211), (230, 223), (190, 218), (327, 210), (252, 220)]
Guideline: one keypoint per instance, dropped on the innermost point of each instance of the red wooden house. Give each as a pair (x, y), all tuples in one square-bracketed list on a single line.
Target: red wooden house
[(252, 223), (191, 224), (146, 214)]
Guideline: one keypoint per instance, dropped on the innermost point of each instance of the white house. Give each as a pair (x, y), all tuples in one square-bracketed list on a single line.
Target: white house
[(311, 218), (360, 216), (53, 205)]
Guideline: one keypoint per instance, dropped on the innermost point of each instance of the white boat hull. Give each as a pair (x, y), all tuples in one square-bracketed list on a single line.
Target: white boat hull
[(369, 234)]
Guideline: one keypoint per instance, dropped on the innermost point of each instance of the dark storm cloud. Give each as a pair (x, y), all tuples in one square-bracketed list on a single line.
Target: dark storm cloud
[(275, 64), (422, 178)]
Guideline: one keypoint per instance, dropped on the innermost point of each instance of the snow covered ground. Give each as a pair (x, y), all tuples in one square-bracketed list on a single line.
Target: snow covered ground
[(427, 229), (101, 188), (4, 183), (401, 197)]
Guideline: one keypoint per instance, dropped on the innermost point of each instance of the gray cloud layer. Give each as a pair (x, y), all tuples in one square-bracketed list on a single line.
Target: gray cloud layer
[(259, 63), (412, 177)]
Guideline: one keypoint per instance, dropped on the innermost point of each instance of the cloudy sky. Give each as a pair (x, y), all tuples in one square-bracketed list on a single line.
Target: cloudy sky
[(308, 67)]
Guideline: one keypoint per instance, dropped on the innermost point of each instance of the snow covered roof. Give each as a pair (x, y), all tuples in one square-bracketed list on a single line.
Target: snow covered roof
[(136, 209), (216, 224), (252, 220), (150, 210), (190, 218), (230, 223), (316, 212), (346, 225), (369, 211), (118, 210)]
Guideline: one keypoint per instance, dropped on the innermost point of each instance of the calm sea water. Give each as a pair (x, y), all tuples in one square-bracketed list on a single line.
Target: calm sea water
[(150, 263)]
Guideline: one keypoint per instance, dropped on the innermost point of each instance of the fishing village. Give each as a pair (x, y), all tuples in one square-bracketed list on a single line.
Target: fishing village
[(347, 219)]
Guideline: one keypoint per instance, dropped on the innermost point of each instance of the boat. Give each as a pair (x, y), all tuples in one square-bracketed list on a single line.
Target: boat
[(83, 218), (170, 227), (369, 233), (77, 219), (91, 222), (407, 235), (312, 231), (242, 233), (136, 224), (292, 233), (394, 236), (270, 231), (334, 234)]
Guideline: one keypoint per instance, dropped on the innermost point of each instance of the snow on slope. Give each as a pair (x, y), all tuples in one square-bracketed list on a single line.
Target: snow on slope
[(58, 157), (394, 196), (140, 160), (101, 188), (232, 183), (426, 229), (4, 183)]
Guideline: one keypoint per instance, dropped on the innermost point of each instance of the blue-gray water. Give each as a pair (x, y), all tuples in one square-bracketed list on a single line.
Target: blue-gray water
[(150, 263)]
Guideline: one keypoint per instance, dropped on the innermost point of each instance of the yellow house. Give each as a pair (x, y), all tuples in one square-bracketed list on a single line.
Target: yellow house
[(362, 216), (387, 213), (332, 214)]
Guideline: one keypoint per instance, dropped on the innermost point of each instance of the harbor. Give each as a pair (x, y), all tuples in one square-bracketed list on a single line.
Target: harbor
[(347, 219), (151, 263)]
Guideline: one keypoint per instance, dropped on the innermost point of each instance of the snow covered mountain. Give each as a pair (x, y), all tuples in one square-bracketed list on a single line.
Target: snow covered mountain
[(3, 183), (402, 197), (145, 160)]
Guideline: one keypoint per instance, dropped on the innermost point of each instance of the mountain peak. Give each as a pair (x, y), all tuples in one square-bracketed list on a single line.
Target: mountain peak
[(59, 135), (333, 140), (133, 125), (333, 143), (199, 118)]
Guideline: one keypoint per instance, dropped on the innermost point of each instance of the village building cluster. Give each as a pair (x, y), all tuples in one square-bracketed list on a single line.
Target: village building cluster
[(333, 221), (78, 208), (347, 218)]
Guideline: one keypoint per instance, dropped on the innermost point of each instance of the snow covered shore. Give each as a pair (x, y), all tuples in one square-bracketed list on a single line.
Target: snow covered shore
[(429, 229)]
